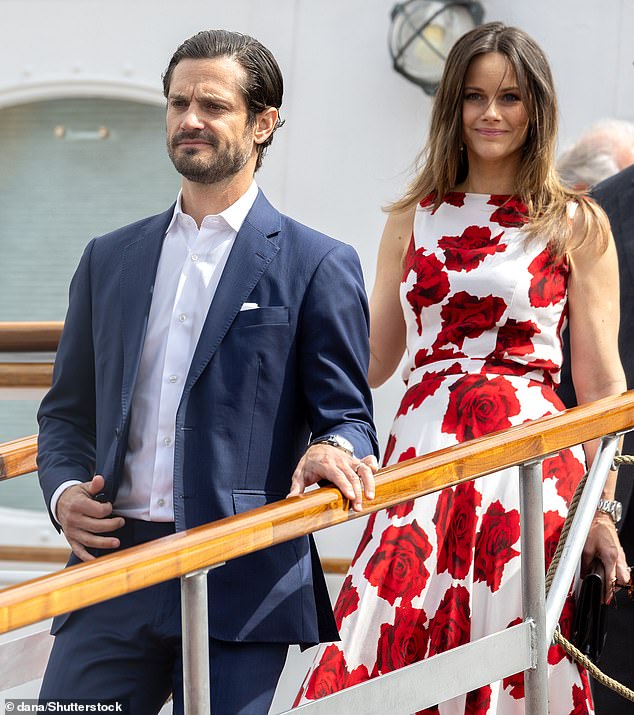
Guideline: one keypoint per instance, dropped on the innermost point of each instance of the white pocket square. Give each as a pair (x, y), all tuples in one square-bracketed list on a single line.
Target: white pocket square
[(249, 306)]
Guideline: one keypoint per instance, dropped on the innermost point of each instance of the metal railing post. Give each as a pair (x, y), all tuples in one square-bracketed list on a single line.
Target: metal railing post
[(534, 584), (586, 508), (195, 622)]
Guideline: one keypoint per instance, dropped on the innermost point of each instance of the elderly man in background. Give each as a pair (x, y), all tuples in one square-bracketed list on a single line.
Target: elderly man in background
[(604, 150)]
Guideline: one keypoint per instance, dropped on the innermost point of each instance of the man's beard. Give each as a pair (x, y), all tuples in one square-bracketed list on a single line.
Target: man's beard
[(221, 165)]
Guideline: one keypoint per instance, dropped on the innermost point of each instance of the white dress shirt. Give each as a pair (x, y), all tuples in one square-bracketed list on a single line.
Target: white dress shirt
[(190, 266)]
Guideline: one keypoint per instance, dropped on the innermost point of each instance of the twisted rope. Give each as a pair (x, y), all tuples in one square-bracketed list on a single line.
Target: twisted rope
[(568, 647)]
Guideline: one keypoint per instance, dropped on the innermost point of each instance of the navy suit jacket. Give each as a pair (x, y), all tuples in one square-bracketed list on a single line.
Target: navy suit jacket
[(260, 382), (616, 196)]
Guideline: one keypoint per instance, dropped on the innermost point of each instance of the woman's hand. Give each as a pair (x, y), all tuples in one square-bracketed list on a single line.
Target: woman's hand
[(603, 543)]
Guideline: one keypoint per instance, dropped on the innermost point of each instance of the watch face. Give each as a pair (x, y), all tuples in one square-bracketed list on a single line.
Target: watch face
[(618, 511), (336, 441), (344, 444)]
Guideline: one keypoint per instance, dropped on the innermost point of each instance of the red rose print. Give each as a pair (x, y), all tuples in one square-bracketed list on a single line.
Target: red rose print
[(389, 448), (550, 276), (409, 453), (514, 683), (466, 252), (428, 711), (511, 212), (567, 470), (553, 523), (499, 530), (548, 392), (501, 366), (397, 567), (455, 198), (409, 261), (432, 283), (329, 676), (455, 520), (365, 539), (424, 357), (358, 675), (398, 511), (478, 701), (516, 338), (579, 701), (468, 316), (405, 507), (403, 643), (478, 406), (347, 601), (548, 365), (415, 395), (428, 200), (556, 653), (451, 624), (454, 369), (585, 681)]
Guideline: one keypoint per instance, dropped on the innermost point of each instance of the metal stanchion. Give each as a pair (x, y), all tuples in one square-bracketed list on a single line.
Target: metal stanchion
[(569, 560), (195, 620), (533, 584)]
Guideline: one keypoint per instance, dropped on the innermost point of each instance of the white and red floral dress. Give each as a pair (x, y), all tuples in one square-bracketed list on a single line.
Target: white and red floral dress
[(484, 310)]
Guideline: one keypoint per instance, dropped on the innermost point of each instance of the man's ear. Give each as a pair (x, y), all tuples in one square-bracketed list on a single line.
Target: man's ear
[(265, 123)]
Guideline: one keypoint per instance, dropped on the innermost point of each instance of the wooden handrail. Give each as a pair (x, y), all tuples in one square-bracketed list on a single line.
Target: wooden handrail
[(30, 337), (59, 555), (35, 554), (26, 374), (18, 457), (179, 554)]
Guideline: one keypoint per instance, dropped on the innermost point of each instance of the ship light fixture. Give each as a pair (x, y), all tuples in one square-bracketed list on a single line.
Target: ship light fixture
[(422, 33)]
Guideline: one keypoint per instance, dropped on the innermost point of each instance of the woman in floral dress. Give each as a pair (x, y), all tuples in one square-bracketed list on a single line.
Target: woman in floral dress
[(480, 266)]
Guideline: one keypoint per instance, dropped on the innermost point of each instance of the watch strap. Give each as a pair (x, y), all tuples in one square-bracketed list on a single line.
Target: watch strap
[(335, 440), (611, 507)]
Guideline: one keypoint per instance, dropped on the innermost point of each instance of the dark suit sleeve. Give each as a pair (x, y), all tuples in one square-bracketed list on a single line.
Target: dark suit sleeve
[(334, 352), (66, 443)]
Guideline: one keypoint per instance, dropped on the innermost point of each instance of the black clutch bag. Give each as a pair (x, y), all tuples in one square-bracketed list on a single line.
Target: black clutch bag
[(590, 625)]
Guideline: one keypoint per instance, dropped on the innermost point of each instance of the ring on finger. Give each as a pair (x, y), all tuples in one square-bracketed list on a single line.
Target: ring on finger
[(356, 469)]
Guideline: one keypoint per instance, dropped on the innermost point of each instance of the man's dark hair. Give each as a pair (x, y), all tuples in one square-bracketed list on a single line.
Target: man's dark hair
[(264, 85)]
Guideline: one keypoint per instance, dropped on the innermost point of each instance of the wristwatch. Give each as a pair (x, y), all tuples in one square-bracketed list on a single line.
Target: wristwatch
[(611, 507), (335, 440)]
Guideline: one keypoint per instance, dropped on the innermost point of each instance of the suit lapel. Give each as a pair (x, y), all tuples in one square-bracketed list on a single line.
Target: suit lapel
[(252, 253), (138, 271)]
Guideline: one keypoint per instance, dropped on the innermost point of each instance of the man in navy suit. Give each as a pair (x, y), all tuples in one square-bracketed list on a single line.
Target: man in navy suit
[(213, 360)]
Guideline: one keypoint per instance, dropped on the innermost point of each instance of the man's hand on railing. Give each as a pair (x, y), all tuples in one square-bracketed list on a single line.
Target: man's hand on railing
[(603, 543), (354, 477), (83, 518)]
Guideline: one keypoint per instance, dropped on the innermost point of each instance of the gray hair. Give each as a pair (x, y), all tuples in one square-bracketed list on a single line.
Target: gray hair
[(604, 150)]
